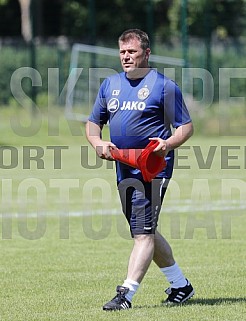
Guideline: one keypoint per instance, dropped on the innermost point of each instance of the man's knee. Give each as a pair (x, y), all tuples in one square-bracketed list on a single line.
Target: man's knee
[(144, 238)]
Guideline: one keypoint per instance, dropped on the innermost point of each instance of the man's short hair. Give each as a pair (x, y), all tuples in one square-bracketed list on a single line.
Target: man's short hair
[(136, 33)]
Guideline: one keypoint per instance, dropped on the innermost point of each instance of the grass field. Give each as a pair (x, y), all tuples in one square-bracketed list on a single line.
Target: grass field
[(65, 244)]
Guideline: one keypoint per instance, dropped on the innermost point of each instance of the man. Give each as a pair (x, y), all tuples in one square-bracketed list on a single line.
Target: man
[(140, 105)]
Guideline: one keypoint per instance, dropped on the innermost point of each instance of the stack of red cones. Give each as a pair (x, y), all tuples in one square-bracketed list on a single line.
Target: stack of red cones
[(145, 160)]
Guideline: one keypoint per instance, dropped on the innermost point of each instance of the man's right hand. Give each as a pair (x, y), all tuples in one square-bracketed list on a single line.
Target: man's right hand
[(103, 150)]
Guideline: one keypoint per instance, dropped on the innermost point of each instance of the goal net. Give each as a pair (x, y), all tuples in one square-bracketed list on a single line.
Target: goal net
[(90, 65)]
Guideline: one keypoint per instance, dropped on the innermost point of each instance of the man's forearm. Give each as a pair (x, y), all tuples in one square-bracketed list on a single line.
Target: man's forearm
[(180, 136), (93, 133)]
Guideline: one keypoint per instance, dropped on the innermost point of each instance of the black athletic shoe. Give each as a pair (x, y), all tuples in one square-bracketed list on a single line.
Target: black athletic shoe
[(119, 302), (179, 295)]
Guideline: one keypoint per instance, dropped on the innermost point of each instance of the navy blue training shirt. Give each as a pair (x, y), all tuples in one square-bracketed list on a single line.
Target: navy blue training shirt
[(137, 110)]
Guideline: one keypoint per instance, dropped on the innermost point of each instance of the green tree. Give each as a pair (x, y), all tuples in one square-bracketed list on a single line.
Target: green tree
[(74, 18), (111, 17), (9, 18), (225, 18)]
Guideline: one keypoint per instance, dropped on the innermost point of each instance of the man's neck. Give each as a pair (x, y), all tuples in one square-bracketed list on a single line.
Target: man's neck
[(138, 73)]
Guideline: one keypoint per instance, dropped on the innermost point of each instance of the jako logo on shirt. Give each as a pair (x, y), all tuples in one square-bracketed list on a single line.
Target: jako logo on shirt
[(133, 105), (113, 105)]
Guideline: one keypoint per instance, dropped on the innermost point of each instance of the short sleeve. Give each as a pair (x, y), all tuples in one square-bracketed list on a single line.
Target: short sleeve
[(174, 105), (99, 114)]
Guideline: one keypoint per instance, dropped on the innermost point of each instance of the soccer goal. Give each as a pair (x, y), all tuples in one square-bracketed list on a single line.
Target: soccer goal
[(89, 65)]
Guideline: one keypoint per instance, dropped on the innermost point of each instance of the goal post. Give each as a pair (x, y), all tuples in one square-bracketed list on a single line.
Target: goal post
[(88, 66)]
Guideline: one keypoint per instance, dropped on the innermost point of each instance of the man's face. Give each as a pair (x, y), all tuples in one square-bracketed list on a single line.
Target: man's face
[(132, 56)]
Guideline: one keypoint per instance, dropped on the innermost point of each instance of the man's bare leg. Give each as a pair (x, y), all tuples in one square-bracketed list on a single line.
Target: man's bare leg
[(141, 257), (163, 255)]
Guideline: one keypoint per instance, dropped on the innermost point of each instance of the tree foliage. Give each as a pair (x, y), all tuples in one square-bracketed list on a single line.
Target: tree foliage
[(224, 17), (10, 18), (107, 18)]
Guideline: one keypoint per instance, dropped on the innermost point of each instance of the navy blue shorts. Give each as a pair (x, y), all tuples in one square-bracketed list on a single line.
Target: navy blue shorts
[(141, 203)]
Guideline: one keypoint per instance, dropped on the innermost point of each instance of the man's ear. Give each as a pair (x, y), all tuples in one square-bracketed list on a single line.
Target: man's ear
[(147, 53)]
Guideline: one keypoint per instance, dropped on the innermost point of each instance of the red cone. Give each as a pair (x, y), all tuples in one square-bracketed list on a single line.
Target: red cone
[(145, 160), (127, 156)]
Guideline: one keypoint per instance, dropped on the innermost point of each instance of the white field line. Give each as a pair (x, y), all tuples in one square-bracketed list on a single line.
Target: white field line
[(187, 206)]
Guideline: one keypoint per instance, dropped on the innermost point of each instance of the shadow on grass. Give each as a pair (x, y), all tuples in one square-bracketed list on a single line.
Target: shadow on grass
[(217, 301)]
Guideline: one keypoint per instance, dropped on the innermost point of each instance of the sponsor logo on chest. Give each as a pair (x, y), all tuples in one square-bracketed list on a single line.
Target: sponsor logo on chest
[(114, 104), (133, 105)]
